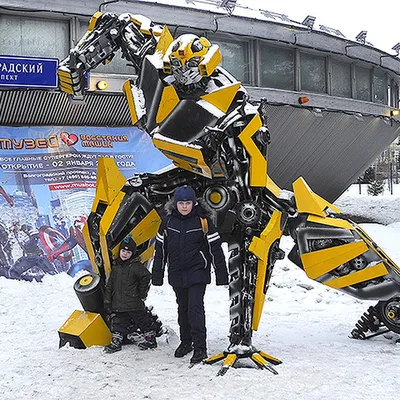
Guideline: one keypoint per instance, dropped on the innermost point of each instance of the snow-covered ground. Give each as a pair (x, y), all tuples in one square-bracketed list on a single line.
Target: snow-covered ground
[(304, 323)]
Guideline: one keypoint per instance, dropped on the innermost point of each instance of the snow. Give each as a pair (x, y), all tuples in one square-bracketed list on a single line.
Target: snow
[(304, 323)]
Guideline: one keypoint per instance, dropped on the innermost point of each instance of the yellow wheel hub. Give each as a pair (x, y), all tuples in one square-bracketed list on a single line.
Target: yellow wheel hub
[(86, 280), (215, 197)]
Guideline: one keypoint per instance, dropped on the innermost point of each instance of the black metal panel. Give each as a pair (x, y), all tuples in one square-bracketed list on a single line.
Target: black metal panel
[(39, 107)]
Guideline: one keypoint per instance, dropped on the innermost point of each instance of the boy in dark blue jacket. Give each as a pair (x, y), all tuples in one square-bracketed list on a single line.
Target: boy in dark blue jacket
[(188, 248)]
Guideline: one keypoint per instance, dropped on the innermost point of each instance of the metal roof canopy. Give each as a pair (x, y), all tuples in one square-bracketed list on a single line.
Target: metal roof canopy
[(329, 150)]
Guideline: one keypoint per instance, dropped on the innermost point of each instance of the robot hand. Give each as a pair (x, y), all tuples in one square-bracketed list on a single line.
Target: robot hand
[(133, 34)]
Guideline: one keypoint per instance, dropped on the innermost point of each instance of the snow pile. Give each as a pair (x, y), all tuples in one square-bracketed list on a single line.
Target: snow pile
[(304, 323)]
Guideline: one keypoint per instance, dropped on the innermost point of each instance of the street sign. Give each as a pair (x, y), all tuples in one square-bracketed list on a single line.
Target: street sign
[(28, 72)]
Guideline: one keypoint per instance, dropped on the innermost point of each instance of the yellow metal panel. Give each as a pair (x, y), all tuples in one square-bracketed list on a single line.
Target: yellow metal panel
[(66, 88), (258, 164), (89, 327), (258, 248), (222, 98), (77, 322), (270, 358), (261, 247), (105, 223), (109, 182), (147, 254), (64, 74), (104, 254), (318, 263), (338, 223), (164, 41), (169, 100), (93, 20), (126, 88), (309, 202), (230, 359), (378, 250), (185, 157), (64, 77), (213, 59), (359, 276), (89, 246), (97, 333), (147, 228), (215, 358), (272, 186)]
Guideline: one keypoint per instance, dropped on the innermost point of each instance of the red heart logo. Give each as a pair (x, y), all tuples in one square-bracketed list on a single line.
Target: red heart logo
[(68, 138)]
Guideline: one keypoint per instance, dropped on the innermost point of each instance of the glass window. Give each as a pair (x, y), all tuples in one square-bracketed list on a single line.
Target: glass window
[(23, 36), (380, 87), (312, 73), (118, 65), (341, 79), (277, 67), (235, 58), (363, 83)]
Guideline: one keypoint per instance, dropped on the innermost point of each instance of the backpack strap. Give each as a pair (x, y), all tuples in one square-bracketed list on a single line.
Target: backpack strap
[(204, 225)]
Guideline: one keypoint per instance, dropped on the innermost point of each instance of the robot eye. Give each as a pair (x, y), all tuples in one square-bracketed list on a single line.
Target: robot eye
[(175, 62), (193, 62), (175, 47), (196, 46)]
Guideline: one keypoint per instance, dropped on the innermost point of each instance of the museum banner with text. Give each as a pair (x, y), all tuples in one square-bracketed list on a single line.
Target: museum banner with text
[(48, 181)]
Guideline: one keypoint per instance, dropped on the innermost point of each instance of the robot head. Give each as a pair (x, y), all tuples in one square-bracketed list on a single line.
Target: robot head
[(189, 58)]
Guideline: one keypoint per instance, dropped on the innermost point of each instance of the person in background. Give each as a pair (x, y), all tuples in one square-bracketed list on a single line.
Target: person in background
[(75, 238), (125, 293), (188, 242)]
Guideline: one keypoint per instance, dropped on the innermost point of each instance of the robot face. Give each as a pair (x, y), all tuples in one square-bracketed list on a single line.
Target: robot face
[(184, 56)]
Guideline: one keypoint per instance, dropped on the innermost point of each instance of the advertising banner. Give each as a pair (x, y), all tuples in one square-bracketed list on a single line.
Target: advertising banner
[(47, 186)]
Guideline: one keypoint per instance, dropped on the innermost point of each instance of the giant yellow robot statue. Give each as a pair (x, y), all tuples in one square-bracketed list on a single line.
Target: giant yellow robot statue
[(200, 117)]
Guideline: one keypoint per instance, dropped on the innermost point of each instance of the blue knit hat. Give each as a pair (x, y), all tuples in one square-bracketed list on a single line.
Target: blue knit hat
[(184, 193)]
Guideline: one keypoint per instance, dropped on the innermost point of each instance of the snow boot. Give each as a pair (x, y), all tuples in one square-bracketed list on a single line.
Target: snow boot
[(199, 355), (149, 342), (116, 343), (183, 349), (135, 337)]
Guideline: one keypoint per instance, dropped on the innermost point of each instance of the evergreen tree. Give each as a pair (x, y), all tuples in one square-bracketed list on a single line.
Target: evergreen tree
[(368, 176), (375, 187)]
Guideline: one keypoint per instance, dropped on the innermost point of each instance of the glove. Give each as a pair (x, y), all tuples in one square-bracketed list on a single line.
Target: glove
[(221, 279), (157, 282)]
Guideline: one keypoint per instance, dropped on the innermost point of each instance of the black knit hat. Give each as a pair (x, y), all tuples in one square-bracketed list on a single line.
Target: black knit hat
[(128, 244)]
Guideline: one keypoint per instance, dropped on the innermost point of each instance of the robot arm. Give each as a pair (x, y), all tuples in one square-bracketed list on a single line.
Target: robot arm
[(135, 35)]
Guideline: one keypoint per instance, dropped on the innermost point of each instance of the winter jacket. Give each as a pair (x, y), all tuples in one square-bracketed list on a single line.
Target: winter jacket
[(127, 286), (188, 251)]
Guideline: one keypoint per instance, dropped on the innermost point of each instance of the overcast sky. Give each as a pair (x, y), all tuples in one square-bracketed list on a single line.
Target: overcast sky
[(350, 17)]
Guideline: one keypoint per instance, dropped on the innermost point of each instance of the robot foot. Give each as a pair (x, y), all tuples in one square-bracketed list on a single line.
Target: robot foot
[(230, 357)]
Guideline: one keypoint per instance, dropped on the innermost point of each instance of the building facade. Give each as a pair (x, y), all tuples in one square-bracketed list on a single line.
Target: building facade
[(350, 88)]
